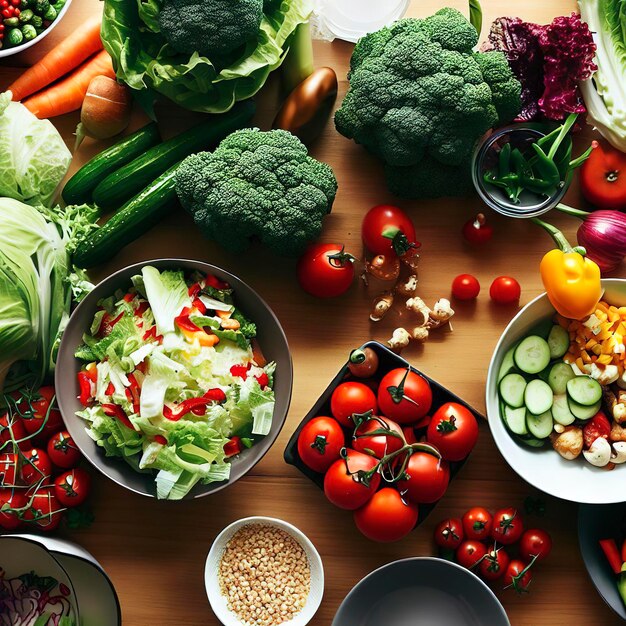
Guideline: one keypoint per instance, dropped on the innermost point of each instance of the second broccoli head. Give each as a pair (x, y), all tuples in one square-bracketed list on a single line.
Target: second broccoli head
[(420, 99), (257, 185)]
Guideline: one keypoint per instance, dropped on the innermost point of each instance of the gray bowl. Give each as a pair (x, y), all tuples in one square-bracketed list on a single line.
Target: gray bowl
[(422, 591), (271, 338)]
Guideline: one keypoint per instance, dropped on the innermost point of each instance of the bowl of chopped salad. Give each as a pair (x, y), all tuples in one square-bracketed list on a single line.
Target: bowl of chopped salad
[(174, 378)]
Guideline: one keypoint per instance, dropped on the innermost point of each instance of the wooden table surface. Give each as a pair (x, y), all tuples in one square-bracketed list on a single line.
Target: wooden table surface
[(155, 551)]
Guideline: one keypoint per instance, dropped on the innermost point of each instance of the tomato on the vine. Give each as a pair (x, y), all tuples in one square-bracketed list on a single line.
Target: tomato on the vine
[(42, 417), (507, 526), (404, 396), (381, 444), (388, 230), (9, 469), (15, 499), (45, 510), (470, 552), (465, 287), (12, 429), (36, 466), (320, 443), (505, 290), (72, 488), (344, 485), (386, 516), (325, 270), (535, 544), (494, 565), (517, 576), (427, 478), (352, 397), (477, 523), (449, 533), (62, 450), (453, 431)]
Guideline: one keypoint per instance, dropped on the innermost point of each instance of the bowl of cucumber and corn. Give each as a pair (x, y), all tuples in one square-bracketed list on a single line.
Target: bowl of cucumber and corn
[(551, 399)]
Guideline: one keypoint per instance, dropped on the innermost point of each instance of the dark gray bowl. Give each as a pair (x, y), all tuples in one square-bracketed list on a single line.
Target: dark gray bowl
[(596, 522), (422, 591), (271, 338)]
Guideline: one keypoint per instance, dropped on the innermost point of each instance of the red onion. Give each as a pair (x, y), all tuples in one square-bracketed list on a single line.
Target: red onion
[(603, 235)]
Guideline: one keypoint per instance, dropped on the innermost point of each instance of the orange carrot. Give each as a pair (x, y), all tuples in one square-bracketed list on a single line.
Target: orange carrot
[(63, 58), (68, 94)]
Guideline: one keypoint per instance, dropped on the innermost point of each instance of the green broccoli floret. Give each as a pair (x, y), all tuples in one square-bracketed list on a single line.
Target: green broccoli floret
[(257, 185), (420, 99), (213, 28)]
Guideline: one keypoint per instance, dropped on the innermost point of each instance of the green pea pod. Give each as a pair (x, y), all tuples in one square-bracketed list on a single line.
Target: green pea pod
[(504, 160), (546, 167)]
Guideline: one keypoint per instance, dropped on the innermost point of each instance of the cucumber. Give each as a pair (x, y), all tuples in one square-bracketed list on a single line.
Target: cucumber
[(558, 342), (539, 426), (508, 363), (131, 221), (560, 374), (532, 442), (584, 390), (131, 178), (538, 397), (512, 390), (532, 355), (79, 188), (582, 412), (560, 410), (515, 420)]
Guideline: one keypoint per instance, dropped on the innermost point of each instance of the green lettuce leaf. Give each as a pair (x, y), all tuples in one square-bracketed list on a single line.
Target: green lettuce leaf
[(167, 294)]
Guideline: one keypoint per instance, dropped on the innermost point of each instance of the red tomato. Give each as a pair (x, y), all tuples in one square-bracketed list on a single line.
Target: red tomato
[(535, 543), (602, 179), (12, 429), (453, 431), (320, 443), (9, 469), (427, 478), (36, 465), (16, 500), (465, 287), (516, 577), (449, 533), (62, 450), (363, 362), (341, 484), (386, 517), (494, 565), (72, 487), (507, 526), (470, 552), (44, 510), (377, 445), (409, 434), (45, 418), (392, 221), (349, 398), (325, 270), (404, 396), (505, 290), (597, 426), (477, 523), (477, 231)]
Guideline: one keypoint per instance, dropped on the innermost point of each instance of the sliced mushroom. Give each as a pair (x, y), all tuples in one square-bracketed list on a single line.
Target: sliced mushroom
[(569, 443), (619, 452), (599, 454)]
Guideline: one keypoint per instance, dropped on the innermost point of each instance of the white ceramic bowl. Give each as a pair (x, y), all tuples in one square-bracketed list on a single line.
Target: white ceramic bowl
[(211, 580), (545, 469), (7, 52)]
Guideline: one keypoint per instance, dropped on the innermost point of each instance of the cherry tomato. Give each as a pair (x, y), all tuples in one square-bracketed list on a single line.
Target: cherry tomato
[(363, 362), (494, 565), (516, 577), (535, 543), (477, 231), (36, 465), (320, 443), (9, 469), (505, 290), (427, 478), (12, 426), (386, 516), (453, 431), (377, 445), (507, 526), (470, 552), (477, 523), (449, 533), (391, 221), (62, 450), (409, 434), (42, 417), (45, 510), (16, 500), (602, 179), (341, 484), (404, 396), (465, 287), (597, 426), (72, 488), (351, 397), (325, 270)]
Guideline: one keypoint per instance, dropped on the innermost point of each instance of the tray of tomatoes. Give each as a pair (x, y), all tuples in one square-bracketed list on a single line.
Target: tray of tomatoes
[(383, 441)]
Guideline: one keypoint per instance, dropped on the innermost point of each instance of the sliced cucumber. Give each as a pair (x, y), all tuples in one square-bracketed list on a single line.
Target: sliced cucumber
[(538, 396), (532, 442), (532, 355), (515, 420), (560, 374), (560, 410), (558, 341), (512, 390), (582, 412), (584, 390), (508, 363), (539, 426)]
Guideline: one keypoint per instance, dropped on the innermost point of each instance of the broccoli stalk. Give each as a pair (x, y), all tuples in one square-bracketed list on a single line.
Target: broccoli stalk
[(298, 64)]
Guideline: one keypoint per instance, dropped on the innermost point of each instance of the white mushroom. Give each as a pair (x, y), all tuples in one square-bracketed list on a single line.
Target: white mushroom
[(605, 376), (619, 452), (599, 454)]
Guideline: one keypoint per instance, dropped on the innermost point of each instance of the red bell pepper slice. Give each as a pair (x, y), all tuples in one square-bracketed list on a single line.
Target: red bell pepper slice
[(110, 390), (132, 393), (624, 551), (609, 547), (115, 410), (142, 308), (129, 297), (215, 395), (182, 321), (240, 370), (194, 290), (151, 333), (107, 324), (263, 380), (233, 446), (198, 304), (160, 439), (216, 283), (197, 406), (84, 384)]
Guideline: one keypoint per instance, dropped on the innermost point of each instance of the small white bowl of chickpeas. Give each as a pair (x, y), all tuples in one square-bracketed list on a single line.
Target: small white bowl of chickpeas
[(262, 571)]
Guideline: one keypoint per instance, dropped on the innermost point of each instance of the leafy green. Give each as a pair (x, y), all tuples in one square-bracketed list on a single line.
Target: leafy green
[(167, 294)]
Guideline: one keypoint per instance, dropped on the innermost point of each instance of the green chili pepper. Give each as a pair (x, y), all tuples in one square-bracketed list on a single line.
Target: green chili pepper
[(539, 186), (546, 167)]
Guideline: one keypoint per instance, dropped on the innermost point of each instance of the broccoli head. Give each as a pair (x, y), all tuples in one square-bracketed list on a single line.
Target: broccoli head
[(213, 28), (257, 185), (420, 98)]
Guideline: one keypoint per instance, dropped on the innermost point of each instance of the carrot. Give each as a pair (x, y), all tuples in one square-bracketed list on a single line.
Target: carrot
[(68, 94), (63, 58)]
